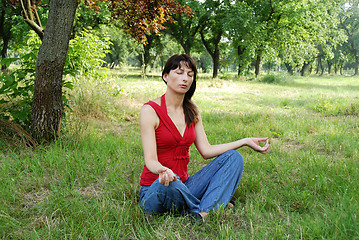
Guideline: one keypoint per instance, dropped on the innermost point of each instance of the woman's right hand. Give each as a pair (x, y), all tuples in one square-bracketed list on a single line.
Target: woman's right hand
[(166, 177), (254, 144)]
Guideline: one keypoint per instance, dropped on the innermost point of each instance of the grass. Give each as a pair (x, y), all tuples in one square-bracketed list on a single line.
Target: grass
[(84, 186)]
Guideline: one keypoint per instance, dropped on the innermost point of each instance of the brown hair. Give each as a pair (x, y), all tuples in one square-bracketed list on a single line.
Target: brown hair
[(189, 108)]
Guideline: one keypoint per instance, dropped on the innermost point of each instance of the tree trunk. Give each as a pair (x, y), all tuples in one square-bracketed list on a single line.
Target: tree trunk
[(320, 66), (146, 58), (215, 62), (4, 50), (187, 49), (289, 68), (5, 36), (329, 67), (310, 69), (335, 67), (146, 53), (240, 52), (47, 107), (258, 65), (305, 68), (356, 65), (239, 69), (214, 53), (153, 65)]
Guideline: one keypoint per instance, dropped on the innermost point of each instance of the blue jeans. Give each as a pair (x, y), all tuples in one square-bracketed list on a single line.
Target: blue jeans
[(210, 188)]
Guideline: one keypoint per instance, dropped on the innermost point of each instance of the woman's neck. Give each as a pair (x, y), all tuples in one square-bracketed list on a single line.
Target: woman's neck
[(174, 101)]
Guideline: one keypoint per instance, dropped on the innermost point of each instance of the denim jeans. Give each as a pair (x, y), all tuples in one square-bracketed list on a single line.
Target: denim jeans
[(210, 188)]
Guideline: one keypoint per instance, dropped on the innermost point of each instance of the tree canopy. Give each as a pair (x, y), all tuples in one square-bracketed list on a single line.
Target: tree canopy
[(247, 34)]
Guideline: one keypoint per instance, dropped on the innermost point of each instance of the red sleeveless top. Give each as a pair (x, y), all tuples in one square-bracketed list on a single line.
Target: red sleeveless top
[(172, 147)]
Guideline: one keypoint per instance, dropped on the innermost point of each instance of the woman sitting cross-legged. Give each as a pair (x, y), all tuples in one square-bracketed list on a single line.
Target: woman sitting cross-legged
[(169, 125)]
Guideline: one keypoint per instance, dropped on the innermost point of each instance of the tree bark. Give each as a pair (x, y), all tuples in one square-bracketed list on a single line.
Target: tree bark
[(47, 107), (215, 62), (240, 52), (356, 72), (5, 36), (4, 51), (186, 48), (320, 66), (258, 65), (335, 67)]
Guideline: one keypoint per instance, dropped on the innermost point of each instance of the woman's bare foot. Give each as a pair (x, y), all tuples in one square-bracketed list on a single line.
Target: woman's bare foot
[(230, 205), (197, 218), (204, 215)]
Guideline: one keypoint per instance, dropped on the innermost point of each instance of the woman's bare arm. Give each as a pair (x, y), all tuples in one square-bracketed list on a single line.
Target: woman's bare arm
[(208, 151), (149, 121)]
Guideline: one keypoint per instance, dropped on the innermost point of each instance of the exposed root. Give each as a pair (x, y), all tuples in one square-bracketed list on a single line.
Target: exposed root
[(14, 134)]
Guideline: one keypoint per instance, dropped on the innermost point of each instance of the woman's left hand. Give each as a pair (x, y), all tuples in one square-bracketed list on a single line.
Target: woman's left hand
[(166, 177), (254, 144)]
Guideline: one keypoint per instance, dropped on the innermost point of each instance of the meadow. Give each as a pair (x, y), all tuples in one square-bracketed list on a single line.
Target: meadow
[(85, 184)]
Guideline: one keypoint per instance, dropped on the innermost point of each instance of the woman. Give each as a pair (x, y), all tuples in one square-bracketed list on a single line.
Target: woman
[(169, 125)]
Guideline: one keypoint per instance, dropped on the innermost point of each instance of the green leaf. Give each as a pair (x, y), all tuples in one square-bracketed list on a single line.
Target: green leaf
[(29, 56), (18, 114), (8, 61), (9, 80), (68, 85)]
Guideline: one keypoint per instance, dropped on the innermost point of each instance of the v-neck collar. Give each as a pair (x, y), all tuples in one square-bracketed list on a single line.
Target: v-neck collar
[(164, 108)]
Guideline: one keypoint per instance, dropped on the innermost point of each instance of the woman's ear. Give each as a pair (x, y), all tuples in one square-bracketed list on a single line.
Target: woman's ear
[(164, 77)]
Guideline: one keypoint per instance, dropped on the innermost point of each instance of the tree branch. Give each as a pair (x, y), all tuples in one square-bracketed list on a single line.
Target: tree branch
[(29, 19), (271, 12), (39, 30), (29, 10), (205, 43), (38, 19)]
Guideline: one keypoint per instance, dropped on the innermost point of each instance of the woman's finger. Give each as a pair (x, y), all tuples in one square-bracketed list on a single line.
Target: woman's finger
[(166, 179), (262, 139)]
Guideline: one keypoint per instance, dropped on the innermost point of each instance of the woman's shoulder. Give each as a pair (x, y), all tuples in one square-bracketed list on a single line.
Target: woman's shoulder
[(156, 100), (148, 115), (147, 108)]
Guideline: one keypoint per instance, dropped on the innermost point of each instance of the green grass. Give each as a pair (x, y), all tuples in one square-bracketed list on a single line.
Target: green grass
[(84, 186)]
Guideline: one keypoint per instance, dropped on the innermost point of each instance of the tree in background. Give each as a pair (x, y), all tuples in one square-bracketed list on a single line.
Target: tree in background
[(241, 26), (212, 17), (349, 22), (184, 28), (122, 47), (6, 23), (93, 16), (290, 30), (319, 26), (296, 33), (139, 18)]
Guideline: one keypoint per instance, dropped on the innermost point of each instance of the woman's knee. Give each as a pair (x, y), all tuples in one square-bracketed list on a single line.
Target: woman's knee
[(173, 188), (236, 159)]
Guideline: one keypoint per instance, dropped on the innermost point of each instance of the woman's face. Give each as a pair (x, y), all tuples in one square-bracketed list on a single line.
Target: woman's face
[(180, 79)]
